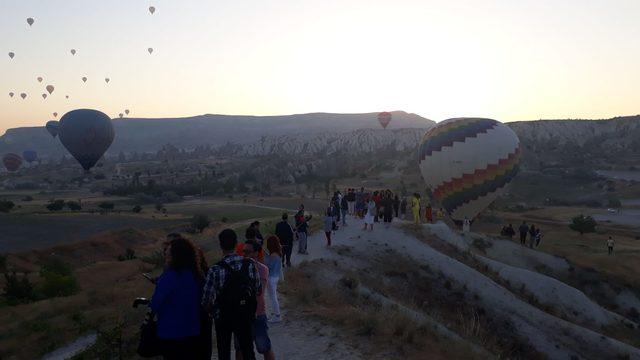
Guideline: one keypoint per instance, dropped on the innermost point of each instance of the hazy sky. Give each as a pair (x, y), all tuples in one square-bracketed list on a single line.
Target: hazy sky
[(504, 59)]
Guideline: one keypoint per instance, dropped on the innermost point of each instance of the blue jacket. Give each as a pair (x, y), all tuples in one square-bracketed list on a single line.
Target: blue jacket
[(176, 302)]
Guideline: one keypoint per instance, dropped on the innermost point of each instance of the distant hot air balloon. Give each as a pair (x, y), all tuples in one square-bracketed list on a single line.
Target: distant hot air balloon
[(52, 127), (152, 9), (50, 88), (84, 79), (73, 51), (11, 55), (384, 118), (30, 156), (86, 134), (126, 111), (12, 162), (11, 94), (39, 79), (44, 96), (66, 96), (150, 50), (23, 96), (55, 114), (107, 80), (467, 162), (121, 115), (30, 21)]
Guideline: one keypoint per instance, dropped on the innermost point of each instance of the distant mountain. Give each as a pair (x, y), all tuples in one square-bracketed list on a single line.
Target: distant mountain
[(149, 135)]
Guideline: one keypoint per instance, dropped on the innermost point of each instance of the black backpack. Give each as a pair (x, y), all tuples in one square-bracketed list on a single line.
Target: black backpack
[(238, 298)]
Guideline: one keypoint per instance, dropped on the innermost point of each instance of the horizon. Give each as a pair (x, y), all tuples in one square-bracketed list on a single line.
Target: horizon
[(340, 58)]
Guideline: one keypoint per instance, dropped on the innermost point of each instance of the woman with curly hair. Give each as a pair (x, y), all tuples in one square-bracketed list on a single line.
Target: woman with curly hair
[(274, 263)]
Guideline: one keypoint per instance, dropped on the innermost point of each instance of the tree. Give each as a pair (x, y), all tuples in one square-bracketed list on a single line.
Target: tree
[(55, 205), (583, 224), (200, 222), (74, 205), (6, 206)]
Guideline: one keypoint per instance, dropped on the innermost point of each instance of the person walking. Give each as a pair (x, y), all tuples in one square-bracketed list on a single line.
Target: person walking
[(466, 225), (329, 222), (224, 296), (532, 236), (415, 208), (403, 208), (524, 230), (428, 213), (351, 200), (610, 244), (396, 206), (360, 203), (176, 301), (369, 218), (302, 228), (284, 232), (377, 199), (538, 237), (510, 232), (344, 207), (259, 326), (274, 263), (387, 209)]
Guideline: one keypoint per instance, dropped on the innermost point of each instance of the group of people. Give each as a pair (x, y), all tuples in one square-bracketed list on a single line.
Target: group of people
[(417, 212), (191, 298), (534, 233)]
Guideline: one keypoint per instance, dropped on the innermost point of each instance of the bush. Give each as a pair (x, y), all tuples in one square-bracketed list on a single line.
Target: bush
[(106, 205), (59, 279), (99, 176), (17, 291), (129, 254), (583, 224), (74, 206), (200, 222), (156, 259), (137, 209), (6, 206), (55, 205)]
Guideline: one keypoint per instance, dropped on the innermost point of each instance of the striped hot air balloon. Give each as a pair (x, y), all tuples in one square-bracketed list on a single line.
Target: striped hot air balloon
[(12, 162), (467, 162)]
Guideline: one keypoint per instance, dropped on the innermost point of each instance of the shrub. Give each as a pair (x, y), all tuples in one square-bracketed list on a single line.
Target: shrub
[(6, 206), (137, 209), (129, 254), (156, 259), (59, 279), (583, 224), (200, 222), (55, 205), (74, 205), (106, 205), (159, 206), (16, 290)]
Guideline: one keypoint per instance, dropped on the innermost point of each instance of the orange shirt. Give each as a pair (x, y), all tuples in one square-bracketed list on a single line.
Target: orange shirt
[(240, 248)]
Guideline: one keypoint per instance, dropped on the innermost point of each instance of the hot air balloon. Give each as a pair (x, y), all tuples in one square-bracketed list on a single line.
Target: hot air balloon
[(55, 114), (11, 94), (150, 50), (39, 79), (121, 115), (50, 88), (126, 111), (11, 55), (152, 9), (107, 80), (86, 134), (66, 96), (84, 79), (23, 96), (30, 21), (30, 156), (467, 162), (73, 51), (44, 96), (12, 162), (384, 118), (52, 127)]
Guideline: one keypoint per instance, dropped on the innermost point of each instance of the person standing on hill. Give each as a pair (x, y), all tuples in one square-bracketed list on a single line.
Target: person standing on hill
[(224, 296), (351, 200), (396, 206), (429, 213), (403, 208), (377, 198), (274, 263), (329, 222), (302, 228), (415, 208), (610, 244), (524, 230), (532, 236), (284, 232), (509, 231), (256, 226), (360, 203), (369, 218), (344, 207), (466, 225), (387, 212), (538, 237)]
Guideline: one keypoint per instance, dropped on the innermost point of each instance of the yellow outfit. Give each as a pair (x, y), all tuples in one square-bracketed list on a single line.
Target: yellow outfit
[(415, 208)]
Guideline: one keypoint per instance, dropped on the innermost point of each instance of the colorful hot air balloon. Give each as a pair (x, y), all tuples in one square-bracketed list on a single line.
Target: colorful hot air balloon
[(152, 9), (84, 79), (23, 96), (44, 96), (12, 162), (52, 127), (30, 156), (73, 51), (39, 79), (384, 118), (150, 50), (467, 162), (11, 55), (126, 111), (11, 94), (50, 88), (86, 134), (30, 21), (107, 80)]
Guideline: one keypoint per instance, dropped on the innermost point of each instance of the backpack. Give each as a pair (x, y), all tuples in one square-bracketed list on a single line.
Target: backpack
[(238, 297)]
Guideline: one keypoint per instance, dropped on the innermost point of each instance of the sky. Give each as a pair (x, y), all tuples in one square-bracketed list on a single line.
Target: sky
[(503, 59)]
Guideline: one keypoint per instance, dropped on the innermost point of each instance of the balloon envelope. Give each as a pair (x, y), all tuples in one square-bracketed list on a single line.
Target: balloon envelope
[(11, 55), (126, 111), (86, 134), (150, 50), (50, 88), (384, 118), (467, 162), (44, 96), (40, 79), (52, 127), (84, 79), (152, 9), (30, 21), (73, 51), (55, 114), (107, 80), (30, 156), (12, 162), (23, 96), (11, 94)]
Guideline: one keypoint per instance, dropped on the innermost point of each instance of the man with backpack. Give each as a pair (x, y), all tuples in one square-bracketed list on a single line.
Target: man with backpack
[(284, 232), (230, 295)]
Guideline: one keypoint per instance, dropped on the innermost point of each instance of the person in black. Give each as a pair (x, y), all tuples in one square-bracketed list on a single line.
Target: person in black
[(509, 231), (403, 207), (524, 229), (256, 226), (344, 209), (285, 233), (396, 205), (387, 208), (532, 235)]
